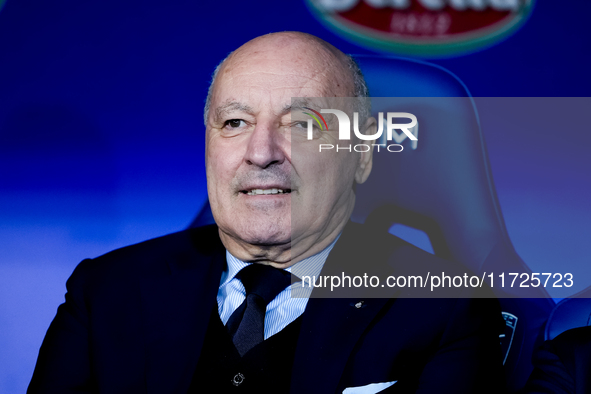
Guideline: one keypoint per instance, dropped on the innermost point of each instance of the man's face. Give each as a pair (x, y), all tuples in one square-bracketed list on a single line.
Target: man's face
[(275, 198)]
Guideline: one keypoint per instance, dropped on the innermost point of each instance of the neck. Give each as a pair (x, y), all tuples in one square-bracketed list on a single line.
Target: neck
[(283, 255)]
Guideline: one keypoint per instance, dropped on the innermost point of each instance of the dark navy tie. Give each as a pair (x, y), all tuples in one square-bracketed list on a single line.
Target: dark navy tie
[(262, 284)]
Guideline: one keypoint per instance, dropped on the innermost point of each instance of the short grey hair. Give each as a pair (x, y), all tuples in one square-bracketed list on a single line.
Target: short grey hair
[(210, 89), (360, 89)]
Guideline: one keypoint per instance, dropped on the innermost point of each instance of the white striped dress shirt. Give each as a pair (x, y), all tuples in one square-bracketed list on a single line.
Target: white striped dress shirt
[(284, 308)]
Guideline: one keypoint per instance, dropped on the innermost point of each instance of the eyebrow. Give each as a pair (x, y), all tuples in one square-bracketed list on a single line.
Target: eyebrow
[(297, 104), (300, 104), (231, 106)]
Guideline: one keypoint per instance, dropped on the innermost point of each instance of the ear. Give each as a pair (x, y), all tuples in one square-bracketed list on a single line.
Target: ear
[(365, 158)]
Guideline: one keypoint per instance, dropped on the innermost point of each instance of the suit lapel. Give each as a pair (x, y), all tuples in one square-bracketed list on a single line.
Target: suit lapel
[(331, 326), (177, 298)]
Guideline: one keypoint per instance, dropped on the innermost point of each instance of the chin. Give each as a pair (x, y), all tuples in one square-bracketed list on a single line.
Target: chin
[(266, 233)]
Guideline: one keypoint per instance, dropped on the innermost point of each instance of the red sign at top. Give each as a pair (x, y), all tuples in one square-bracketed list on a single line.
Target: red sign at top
[(428, 28)]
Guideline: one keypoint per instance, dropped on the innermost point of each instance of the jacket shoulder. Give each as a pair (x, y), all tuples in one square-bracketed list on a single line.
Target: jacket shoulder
[(383, 246), (201, 240), (150, 257)]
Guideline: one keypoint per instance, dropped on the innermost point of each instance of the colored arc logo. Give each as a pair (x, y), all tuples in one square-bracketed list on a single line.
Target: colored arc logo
[(316, 118)]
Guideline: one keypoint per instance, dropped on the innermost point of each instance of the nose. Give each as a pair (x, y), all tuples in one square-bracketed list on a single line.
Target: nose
[(265, 147)]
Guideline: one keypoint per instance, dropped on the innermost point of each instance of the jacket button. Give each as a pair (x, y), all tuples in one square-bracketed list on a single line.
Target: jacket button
[(238, 379)]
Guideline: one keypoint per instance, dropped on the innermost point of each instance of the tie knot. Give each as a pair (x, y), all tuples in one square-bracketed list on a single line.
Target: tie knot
[(264, 281)]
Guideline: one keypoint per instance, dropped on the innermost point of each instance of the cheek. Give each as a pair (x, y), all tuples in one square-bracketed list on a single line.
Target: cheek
[(326, 176), (342, 174), (223, 160), (339, 165), (215, 167), (218, 173)]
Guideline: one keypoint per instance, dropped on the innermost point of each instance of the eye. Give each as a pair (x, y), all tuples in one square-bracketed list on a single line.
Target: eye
[(299, 129), (302, 124), (234, 123)]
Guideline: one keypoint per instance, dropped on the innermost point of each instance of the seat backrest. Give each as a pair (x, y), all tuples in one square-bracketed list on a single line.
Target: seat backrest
[(444, 188), (569, 313), (445, 185)]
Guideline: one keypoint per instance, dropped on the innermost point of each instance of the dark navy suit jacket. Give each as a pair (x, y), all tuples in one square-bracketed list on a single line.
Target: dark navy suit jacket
[(563, 365), (134, 322)]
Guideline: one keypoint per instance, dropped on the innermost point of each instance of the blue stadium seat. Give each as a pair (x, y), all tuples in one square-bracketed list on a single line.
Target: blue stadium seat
[(444, 188), (569, 313)]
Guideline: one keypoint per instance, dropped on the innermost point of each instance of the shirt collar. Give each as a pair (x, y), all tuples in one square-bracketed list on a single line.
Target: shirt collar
[(310, 266)]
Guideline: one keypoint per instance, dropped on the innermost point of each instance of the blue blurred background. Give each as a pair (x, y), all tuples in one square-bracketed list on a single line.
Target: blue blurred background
[(101, 136)]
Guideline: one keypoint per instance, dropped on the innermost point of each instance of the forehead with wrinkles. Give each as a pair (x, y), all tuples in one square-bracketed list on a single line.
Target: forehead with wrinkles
[(288, 60)]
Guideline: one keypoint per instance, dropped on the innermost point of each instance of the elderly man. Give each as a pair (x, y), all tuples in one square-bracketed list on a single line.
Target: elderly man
[(210, 309)]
